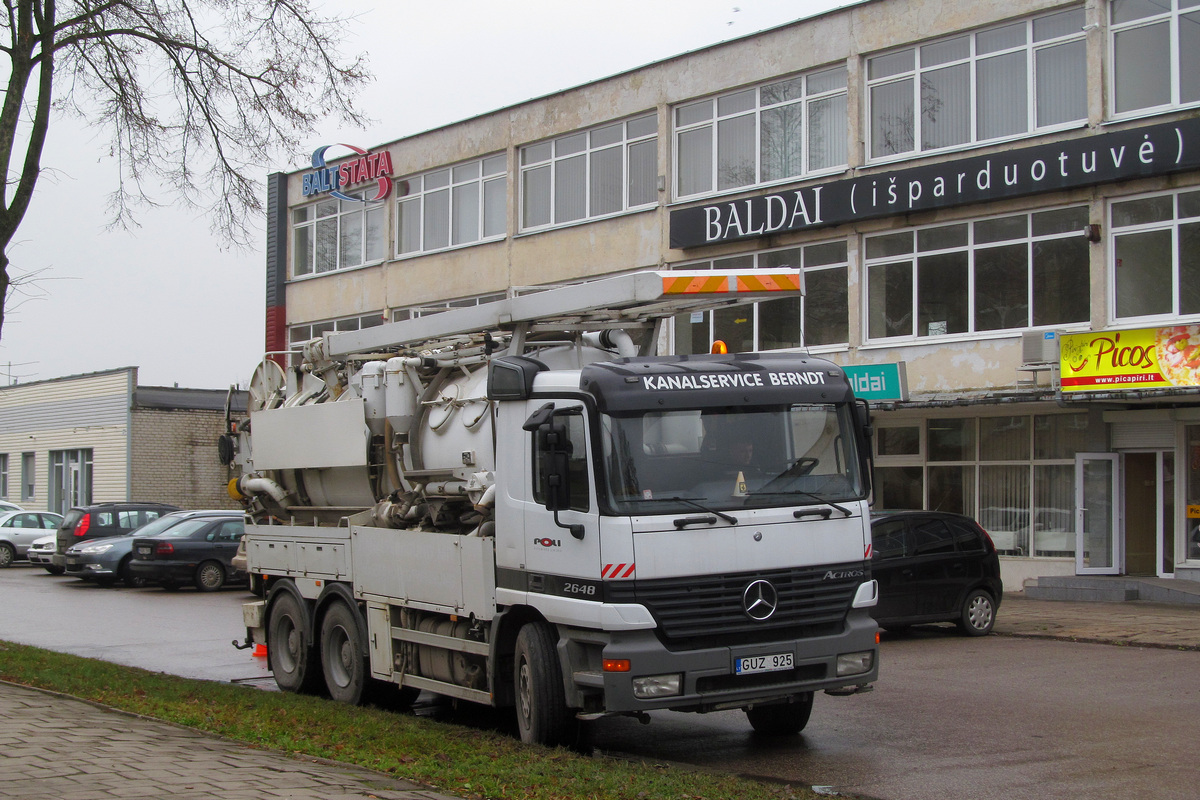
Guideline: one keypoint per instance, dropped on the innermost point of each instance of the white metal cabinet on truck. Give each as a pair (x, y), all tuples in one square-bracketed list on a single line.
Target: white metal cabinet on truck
[(518, 505)]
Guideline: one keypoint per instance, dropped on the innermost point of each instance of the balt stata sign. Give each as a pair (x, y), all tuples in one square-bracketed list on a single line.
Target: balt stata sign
[(1086, 161), (367, 167)]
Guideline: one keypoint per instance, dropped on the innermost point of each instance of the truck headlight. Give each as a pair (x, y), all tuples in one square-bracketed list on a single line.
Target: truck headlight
[(658, 686), (855, 663)]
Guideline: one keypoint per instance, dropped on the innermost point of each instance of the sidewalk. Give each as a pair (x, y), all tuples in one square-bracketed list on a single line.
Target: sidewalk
[(1136, 623), (54, 747)]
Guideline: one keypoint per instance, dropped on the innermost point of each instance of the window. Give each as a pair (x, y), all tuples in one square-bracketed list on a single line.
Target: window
[(336, 234), (778, 131), (299, 334), (1155, 54), (70, 479), (821, 317), (998, 83), (454, 206), (590, 174), (993, 274), (28, 484), (3, 474), (1014, 474), (413, 312), (1156, 256)]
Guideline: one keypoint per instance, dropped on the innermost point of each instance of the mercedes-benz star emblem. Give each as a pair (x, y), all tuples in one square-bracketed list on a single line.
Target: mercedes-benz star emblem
[(760, 600)]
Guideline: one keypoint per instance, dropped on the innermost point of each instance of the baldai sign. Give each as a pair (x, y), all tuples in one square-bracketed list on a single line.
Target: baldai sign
[(1085, 161)]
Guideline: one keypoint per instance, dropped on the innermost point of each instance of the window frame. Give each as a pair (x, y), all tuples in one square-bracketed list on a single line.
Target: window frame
[(1172, 225), (1173, 18), (28, 475), (346, 210), (628, 140), (1030, 47), (972, 249), (419, 193), (714, 118)]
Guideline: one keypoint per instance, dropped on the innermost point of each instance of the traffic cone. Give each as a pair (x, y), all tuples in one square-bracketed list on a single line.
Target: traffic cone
[(260, 651)]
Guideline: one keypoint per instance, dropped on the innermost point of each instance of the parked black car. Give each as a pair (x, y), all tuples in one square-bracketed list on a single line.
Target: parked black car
[(197, 551), (933, 566), (103, 519), (107, 560)]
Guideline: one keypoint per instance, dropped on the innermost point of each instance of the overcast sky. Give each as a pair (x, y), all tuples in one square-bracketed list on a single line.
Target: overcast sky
[(172, 300)]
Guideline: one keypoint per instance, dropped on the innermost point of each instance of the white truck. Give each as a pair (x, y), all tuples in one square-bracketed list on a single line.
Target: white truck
[(517, 504)]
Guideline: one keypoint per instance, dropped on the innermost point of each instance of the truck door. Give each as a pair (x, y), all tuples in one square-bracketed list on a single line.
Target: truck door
[(562, 553)]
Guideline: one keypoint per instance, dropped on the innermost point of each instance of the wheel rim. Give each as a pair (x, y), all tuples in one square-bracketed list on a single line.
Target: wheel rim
[(525, 693), (287, 636), (979, 613), (210, 576), (341, 656), (6, 556)]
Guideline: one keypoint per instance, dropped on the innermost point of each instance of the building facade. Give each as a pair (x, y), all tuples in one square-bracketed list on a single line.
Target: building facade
[(995, 208), (100, 437)]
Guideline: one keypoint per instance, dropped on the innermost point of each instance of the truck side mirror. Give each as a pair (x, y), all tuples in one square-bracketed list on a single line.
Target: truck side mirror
[(553, 475)]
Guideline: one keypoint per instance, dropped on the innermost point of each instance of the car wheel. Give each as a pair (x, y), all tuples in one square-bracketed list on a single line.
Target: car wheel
[(542, 713), (782, 719), (978, 614), (210, 576), (53, 570), (7, 554), (127, 576), (343, 655), (290, 654)]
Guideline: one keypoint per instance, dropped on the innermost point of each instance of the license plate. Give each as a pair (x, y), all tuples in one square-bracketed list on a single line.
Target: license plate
[(772, 663), (143, 551)]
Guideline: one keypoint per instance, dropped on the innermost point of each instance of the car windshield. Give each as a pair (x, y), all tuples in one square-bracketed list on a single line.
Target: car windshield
[(735, 457)]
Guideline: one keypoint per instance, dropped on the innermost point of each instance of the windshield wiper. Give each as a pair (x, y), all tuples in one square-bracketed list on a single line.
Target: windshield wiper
[(732, 520), (814, 497)]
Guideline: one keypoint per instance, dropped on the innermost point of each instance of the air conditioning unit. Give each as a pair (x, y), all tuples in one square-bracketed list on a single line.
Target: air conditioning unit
[(1039, 347)]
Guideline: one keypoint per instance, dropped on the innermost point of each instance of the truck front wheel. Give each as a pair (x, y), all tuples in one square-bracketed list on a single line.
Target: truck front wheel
[(290, 653), (342, 658), (782, 719), (542, 713)]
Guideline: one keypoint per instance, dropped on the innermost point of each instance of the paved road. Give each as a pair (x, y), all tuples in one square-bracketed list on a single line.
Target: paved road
[(1001, 718)]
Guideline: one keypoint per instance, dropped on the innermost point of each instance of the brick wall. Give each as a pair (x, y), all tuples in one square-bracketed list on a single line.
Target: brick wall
[(174, 459)]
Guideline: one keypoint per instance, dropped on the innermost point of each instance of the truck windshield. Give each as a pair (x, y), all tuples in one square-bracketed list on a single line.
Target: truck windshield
[(734, 457)]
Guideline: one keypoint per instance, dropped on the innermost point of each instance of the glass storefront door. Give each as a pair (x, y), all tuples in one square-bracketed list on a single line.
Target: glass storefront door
[(1097, 514)]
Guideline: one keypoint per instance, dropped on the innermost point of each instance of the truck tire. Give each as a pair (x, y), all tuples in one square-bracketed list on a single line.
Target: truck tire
[(782, 719), (343, 655), (290, 654), (542, 713)]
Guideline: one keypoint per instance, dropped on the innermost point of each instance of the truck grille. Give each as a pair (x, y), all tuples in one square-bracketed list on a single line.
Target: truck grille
[(706, 610)]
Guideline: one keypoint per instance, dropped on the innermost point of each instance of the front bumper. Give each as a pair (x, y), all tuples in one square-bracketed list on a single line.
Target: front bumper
[(709, 681)]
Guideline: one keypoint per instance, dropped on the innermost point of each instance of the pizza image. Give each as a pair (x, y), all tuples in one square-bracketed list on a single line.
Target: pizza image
[(1178, 351)]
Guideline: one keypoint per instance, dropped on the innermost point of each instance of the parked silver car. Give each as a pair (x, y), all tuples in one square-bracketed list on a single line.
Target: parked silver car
[(18, 529)]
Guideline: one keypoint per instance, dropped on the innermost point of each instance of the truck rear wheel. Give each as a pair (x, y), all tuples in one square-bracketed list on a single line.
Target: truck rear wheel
[(542, 713), (290, 654), (343, 656), (782, 719)]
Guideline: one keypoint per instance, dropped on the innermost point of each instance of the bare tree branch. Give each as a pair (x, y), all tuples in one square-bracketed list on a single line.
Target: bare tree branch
[(196, 95)]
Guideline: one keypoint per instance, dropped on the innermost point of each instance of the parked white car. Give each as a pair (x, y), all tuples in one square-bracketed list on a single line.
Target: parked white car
[(40, 553)]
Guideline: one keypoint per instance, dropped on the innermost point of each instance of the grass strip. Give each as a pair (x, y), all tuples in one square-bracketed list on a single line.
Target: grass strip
[(454, 759)]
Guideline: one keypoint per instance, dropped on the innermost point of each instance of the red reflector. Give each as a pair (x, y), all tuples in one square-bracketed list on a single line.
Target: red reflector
[(164, 549), (616, 665), (85, 522)]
